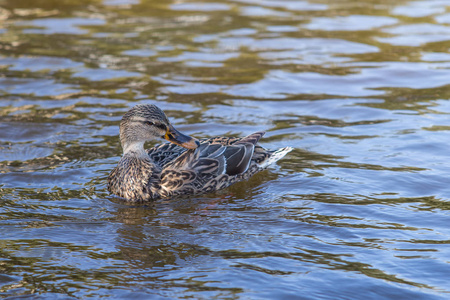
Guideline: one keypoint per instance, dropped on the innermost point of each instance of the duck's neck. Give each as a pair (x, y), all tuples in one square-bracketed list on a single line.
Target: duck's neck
[(135, 149)]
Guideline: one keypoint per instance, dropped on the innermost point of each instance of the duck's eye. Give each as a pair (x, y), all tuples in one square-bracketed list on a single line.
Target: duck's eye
[(161, 126), (149, 123)]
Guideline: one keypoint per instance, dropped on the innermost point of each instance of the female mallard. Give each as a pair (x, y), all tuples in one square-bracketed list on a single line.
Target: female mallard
[(186, 166)]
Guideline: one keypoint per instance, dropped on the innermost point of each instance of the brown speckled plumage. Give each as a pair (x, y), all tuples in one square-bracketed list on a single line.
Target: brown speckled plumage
[(169, 170)]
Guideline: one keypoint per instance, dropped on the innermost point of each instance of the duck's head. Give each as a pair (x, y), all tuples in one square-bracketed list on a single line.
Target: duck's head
[(145, 122)]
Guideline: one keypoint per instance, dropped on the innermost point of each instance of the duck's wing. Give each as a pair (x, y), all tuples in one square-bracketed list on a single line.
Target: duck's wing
[(219, 155), (216, 158), (260, 154), (165, 153)]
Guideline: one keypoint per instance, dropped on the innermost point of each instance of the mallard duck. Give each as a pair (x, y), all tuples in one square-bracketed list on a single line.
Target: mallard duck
[(185, 166)]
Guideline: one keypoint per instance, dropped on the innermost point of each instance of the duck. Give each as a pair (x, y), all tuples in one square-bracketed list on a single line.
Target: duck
[(183, 166)]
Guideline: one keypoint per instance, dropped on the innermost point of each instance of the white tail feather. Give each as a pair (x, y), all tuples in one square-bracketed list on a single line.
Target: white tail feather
[(277, 155)]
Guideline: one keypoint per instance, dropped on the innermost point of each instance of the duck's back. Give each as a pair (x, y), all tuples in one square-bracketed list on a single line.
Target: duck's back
[(166, 153), (217, 163)]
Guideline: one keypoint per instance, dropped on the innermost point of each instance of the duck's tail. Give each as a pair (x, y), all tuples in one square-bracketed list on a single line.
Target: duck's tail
[(275, 156)]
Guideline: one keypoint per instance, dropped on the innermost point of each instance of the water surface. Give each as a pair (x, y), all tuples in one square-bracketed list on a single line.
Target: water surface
[(360, 89)]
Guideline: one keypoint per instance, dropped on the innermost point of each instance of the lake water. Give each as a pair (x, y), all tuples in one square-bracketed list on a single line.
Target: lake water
[(359, 209)]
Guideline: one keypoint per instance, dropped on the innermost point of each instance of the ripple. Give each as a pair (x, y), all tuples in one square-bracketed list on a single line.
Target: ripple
[(368, 82), (140, 52), (419, 9), (200, 6), (39, 63), (200, 57), (61, 25), (282, 28), (120, 2), (38, 87), (350, 23), (316, 45), (257, 11), (436, 57), (416, 34), (444, 19), (22, 152), (286, 4), (105, 74), (281, 84)]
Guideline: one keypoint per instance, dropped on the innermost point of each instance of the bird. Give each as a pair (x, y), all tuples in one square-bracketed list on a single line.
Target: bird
[(185, 166)]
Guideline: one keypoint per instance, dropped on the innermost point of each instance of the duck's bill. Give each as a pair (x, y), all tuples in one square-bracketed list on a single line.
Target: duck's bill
[(176, 137)]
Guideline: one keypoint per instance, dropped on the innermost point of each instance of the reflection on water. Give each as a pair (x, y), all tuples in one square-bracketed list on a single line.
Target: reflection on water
[(359, 209)]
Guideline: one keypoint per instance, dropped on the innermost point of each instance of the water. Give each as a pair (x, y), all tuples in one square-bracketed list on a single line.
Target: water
[(360, 89)]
